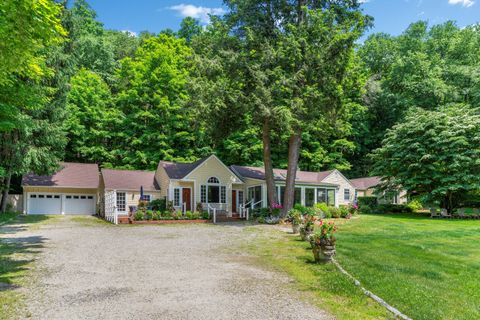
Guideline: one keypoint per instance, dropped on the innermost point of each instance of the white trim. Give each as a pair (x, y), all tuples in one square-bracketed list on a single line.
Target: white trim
[(208, 159)]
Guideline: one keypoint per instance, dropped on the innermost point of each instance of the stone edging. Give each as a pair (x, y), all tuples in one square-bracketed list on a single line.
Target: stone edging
[(379, 300)]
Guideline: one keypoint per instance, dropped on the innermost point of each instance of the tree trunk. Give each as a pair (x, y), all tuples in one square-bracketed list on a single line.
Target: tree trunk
[(5, 189), (267, 160), (293, 154)]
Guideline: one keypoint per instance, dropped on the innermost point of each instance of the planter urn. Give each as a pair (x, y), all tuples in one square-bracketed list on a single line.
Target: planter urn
[(305, 234), (295, 228), (324, 251)]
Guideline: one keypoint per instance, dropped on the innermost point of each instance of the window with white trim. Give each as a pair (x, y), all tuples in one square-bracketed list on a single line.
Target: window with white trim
[(121, 201), (213, 180), (223, 194), (346, 194), (203, 193), (176, 197), (147, 197)]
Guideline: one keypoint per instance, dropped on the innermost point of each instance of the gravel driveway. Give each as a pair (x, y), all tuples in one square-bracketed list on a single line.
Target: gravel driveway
[(91, 271)]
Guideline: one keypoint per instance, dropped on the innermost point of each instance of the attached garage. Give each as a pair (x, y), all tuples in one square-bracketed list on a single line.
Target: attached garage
[(71, 190)]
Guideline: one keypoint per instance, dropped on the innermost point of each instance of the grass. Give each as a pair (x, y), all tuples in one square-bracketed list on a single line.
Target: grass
[(16, 258), (428, 269), (321, 285)]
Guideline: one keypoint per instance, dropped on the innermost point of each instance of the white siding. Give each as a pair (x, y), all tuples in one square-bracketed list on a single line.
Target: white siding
[(337, 178)]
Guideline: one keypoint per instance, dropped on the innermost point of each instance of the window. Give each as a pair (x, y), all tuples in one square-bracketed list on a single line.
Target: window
[(346, 194), (203, 193), (176, 197), (75, 197), (255, 193), (309, 197), (147, 197), (49, 196), (281, 195), (41, 196), (297, 196), (56, 197), (121, 201), (240, 197), (83, 197), (213, 180), (69, 197), (223, 194), (33, 196), (90, 197), (213, 194), (326, 196)]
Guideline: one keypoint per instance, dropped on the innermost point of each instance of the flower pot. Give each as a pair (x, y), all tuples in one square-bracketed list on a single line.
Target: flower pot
[(305, 234), (295, 228), (324, 251)]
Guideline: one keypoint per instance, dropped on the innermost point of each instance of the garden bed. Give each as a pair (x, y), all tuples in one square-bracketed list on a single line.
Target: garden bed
[(127, 221)]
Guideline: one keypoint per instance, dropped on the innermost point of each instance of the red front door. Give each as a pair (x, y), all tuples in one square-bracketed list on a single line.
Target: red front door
[(234, 201), (186, 197)]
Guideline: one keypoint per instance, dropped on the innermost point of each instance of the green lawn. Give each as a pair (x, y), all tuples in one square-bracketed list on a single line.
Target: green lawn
[(16, 262), (428, 269)]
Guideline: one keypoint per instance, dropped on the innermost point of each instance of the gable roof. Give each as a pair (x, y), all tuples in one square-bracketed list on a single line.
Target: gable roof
[(129, 180), (70, 174), (176, 170), (366, 182), (281, 174)]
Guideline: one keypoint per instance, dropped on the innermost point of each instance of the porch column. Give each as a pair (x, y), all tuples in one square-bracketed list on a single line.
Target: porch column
[(302, 195)]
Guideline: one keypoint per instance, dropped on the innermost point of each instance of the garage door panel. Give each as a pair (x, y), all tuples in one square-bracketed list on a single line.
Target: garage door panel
[(80, 204), (44, 204)]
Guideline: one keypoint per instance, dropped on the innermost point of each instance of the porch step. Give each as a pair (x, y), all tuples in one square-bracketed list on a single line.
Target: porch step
[(223, 217)]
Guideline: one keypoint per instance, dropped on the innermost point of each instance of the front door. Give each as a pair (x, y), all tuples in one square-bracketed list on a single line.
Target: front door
[(186, 197), (234, 201)]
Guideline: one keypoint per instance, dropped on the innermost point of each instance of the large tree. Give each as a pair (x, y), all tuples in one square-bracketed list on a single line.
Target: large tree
[(434, 154), (152, 94), (31, 138)]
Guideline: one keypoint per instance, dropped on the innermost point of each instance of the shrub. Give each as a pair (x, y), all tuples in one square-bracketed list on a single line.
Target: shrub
[(353, 208), (157, 215), (415, 205), (367, 201), (276, 209), (261, 212), (365, 209), (336, 213), (323, 210), (392, 208), (345, 212), (158, 204), (170, 207), (205, 215), (139, 216), (301, 208), (200, 207), (149, 215)]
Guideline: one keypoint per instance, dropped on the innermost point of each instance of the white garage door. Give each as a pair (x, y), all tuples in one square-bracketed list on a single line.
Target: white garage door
[(44, 204), (79, 204)]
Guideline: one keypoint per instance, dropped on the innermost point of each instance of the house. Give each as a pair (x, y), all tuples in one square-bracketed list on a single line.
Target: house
[(73, 189), (207, 183), (366, 187), (331, 187)]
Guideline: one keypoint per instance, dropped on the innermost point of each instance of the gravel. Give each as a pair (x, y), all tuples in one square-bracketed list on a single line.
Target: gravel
[(91, 271)]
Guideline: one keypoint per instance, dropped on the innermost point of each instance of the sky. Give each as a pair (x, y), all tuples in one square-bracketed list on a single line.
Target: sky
[(390, 16)]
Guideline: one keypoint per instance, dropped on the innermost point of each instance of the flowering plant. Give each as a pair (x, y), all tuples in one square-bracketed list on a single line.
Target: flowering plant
[(308, 221), (353, 209), (296, 217), (276, 208), (325, 232)]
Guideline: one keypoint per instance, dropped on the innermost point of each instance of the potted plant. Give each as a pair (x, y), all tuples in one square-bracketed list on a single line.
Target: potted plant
[(296, 218), (307, 228), (323, 242)]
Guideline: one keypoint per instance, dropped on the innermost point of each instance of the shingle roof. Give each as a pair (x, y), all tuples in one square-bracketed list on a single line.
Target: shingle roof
[(366, 182), (129, 180), (180, 170), (281, 174), (70, 174)]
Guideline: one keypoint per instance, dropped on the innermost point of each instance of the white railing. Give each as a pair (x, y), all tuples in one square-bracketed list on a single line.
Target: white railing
[(244, 209), (254, 205), (214, 216)]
